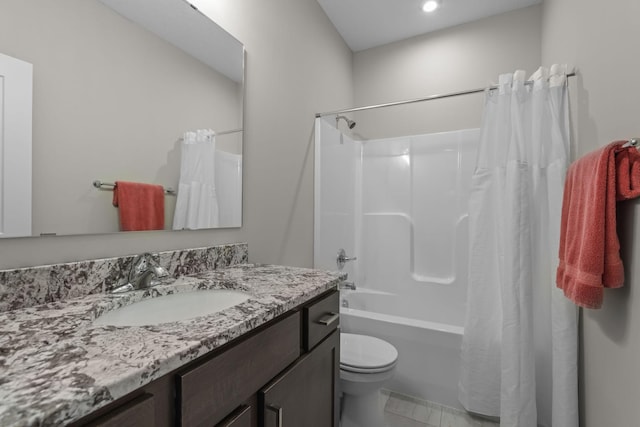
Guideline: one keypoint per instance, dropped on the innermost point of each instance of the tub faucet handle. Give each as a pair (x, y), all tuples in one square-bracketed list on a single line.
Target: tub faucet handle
[(342, 259)]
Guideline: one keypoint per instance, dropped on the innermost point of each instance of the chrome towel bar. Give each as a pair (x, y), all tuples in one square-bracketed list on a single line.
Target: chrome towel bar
[(110, 186)]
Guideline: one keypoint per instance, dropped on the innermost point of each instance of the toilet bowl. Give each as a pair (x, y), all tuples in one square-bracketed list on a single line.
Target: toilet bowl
[(366, 364)]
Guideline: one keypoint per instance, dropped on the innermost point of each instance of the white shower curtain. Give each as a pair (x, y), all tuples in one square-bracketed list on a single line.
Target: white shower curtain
[(197, 203), (519, 350)]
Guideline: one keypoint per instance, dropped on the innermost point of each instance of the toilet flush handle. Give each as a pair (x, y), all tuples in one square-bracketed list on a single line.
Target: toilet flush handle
[(342, 259)]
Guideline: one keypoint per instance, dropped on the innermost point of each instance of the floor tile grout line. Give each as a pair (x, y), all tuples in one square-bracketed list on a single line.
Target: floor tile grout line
[(411, 419), (441, 409)]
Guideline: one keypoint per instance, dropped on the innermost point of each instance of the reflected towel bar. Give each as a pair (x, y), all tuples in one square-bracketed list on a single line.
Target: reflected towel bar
[(110, 186), (224, 132)]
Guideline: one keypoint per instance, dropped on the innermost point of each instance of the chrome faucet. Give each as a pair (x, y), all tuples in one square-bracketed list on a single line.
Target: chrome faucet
[(347, 285), (143, 274)]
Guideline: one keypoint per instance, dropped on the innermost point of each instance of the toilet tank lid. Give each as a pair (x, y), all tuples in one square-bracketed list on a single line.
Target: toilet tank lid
[(363, 351)]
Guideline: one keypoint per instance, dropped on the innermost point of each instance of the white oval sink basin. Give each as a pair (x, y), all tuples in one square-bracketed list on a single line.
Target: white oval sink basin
[(172, 308)]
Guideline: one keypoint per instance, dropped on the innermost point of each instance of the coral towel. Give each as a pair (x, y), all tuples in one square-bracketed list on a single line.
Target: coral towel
[(589, 247), (627, 174), (141, 206)]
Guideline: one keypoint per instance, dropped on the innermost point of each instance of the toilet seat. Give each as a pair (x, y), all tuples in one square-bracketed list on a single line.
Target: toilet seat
[(357, 370), (365, 354)]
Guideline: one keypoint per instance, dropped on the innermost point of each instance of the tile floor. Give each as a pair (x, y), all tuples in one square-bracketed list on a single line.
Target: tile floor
[(407, 411)]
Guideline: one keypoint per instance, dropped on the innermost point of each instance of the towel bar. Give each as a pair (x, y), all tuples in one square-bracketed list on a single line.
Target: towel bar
[(102, 185)]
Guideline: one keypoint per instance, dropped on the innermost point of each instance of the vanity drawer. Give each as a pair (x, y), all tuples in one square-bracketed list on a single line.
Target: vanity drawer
[(211, 390), (320, 319), (139, 412)]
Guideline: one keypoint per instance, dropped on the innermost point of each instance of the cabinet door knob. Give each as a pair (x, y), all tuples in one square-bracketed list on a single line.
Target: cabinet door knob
[(329, 319), (278, 410)]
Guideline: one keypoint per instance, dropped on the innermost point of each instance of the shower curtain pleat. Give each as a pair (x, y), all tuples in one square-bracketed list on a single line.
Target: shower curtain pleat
[(519, 350)]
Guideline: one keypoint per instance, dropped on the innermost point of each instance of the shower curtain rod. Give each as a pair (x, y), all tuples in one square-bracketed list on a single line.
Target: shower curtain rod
[(412, 101)]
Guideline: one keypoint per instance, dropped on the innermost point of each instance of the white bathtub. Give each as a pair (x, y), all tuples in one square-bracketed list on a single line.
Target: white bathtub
[(428, 352)]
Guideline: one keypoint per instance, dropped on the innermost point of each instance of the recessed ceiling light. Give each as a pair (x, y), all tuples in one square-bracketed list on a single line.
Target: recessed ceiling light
[(430, 5)]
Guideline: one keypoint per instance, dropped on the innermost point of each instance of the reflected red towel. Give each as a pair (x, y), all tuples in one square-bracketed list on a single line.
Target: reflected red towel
[(141, 206), (589, 246)]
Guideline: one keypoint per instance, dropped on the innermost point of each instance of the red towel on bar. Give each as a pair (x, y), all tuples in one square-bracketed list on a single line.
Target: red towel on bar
[(589, 246), (141, 206), (628, 174)]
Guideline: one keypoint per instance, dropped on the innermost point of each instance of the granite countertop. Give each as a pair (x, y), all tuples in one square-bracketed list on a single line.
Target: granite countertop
[(56, 367)]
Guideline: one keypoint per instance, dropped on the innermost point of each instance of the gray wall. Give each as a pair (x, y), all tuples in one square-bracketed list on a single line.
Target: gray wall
[(289, 44), (601, 40), (464, 57)]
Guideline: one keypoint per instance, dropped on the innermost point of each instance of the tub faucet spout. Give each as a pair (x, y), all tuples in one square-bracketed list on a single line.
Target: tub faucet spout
[(347, 285)]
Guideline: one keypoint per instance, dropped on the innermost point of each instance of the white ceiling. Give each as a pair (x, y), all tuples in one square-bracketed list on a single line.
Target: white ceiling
[(368, 23)]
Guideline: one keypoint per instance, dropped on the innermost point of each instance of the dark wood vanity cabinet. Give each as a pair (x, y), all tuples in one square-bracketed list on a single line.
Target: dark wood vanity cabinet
[(286, 373), (212, 389), (305, 393)]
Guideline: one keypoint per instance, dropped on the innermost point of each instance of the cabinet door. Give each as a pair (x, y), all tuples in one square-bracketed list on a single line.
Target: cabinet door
[(209, 391), (241, 417), (306, 393)]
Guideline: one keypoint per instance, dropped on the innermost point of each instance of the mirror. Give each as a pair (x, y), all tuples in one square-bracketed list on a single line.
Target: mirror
[(116, 84)]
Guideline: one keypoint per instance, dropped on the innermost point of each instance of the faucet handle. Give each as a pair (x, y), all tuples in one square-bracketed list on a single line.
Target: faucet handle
[(160, 271), (139, 265), (154, 265), (342, 259), (145, 263), (143, 273)]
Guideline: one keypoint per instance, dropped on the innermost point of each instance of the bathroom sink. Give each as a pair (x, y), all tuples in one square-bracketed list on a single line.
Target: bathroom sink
[(172, 308)]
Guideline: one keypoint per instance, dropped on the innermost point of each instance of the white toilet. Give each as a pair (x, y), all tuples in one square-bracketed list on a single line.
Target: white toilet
[(366, 364)]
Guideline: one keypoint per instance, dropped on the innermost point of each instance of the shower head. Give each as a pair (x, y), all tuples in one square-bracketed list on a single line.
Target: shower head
[(349, 122)]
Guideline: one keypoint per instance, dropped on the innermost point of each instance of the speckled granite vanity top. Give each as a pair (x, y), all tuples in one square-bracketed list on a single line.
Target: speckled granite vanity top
[(56, 367)]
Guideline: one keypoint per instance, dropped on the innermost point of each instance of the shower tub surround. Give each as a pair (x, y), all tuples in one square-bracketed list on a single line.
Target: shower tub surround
[(56, 367), (399, 205)]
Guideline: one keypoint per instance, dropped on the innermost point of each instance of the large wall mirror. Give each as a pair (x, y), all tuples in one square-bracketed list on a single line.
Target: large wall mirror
[(116, 84)]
